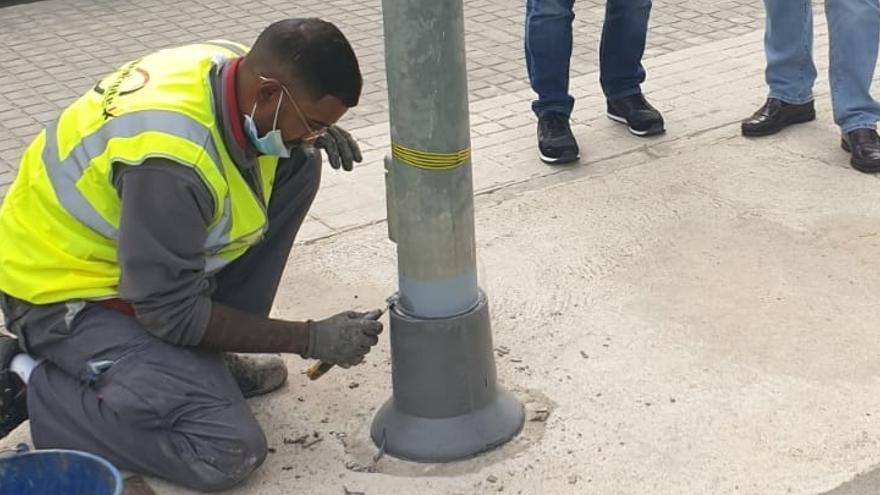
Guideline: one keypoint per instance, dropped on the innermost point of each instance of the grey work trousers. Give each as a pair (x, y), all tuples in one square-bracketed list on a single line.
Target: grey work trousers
[(110, 388)]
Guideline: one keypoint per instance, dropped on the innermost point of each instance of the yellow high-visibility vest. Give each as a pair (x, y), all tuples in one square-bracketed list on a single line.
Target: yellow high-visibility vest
[(60, 219)]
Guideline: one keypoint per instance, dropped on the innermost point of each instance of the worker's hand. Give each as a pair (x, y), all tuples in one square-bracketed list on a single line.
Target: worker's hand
[(342, 150), (344, 339)]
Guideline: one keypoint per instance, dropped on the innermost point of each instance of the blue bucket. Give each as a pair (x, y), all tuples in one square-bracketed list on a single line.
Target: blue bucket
[(58, 472)]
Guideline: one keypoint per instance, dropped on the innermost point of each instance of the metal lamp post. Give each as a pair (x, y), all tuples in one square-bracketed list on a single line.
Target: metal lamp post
[(446, 402)]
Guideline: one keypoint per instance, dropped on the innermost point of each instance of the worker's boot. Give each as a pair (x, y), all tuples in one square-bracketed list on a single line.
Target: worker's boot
[(13, 396), (256, 374)]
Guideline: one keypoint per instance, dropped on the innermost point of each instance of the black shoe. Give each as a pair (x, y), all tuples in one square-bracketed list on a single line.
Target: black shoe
[(13, 397), (556, 143), (776, 115), (635, 111), (864, 144), (256, 374)]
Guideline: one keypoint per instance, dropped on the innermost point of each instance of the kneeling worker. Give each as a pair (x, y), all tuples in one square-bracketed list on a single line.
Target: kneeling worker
[(145, 237)]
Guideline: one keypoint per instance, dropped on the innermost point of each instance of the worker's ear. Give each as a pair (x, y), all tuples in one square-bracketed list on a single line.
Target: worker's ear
[(268, 92)]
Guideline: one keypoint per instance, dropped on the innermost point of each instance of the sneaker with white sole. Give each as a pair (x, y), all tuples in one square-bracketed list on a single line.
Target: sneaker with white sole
[(637, 114), (556, 143)]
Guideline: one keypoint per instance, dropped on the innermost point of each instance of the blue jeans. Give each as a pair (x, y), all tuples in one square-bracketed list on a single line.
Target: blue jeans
[(854, 31), (548, 50)]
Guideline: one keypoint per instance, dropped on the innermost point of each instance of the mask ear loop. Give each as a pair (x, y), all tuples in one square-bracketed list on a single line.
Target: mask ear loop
[(277, 111), (277, 108)]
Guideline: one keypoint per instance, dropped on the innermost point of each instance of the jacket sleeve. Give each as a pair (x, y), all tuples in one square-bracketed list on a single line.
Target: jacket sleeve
[(166, 211)]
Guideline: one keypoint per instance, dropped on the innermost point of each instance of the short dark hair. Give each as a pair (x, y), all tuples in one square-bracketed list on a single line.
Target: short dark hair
[(314, 54)]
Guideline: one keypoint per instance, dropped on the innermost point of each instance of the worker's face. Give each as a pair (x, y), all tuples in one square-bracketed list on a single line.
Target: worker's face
[(300, 119)]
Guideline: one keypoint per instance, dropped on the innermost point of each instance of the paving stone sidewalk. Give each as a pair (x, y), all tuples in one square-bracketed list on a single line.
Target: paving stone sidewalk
[(714, 282), (51, 51)]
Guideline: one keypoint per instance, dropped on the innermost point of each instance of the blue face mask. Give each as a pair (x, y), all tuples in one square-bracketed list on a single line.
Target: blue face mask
[(270, 144)]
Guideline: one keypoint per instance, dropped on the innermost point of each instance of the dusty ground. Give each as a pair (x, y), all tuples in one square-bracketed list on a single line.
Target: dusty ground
[(698, 313), (698, 322)]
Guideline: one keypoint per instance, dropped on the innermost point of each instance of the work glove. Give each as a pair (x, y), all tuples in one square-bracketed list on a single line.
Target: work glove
[(344, 339), (342, 150)]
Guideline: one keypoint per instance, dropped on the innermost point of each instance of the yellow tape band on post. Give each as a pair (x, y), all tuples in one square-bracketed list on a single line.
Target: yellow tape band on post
[(428, 160)]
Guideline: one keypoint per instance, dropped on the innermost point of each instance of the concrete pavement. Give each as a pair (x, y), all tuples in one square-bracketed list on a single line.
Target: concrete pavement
[(689, 314), (52, 51)]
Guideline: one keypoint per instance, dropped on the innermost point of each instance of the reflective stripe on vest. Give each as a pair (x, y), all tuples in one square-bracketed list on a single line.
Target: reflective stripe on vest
[(64, 174), (59, 221)]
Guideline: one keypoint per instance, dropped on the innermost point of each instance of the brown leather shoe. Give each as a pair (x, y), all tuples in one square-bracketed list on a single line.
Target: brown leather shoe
[(776, 115), (864, 144)]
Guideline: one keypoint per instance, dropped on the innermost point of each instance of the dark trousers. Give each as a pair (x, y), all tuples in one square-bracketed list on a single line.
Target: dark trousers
[(110, 388), (548, 44)]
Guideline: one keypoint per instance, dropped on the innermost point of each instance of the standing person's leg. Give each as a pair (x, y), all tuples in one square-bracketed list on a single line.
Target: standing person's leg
[(548, 45), (854, 31), (788, 46), (110, 388), (790, 72), (854, 37), (624, 35)]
